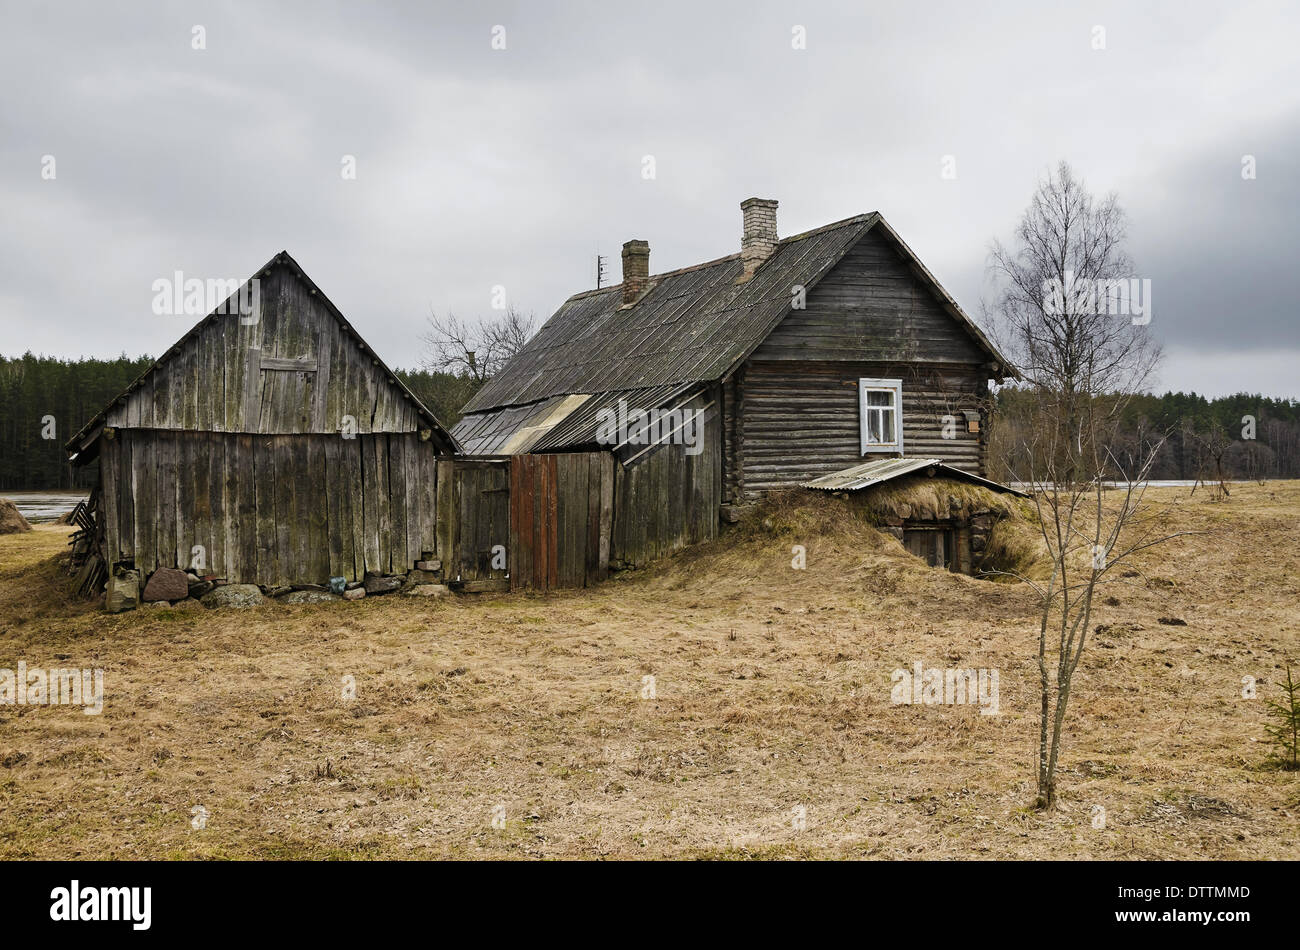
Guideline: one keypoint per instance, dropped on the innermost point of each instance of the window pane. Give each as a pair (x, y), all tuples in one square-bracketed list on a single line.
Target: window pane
[(879, 397), (887, 425)]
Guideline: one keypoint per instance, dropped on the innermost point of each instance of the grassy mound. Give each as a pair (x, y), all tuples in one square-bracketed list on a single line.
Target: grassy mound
[(843, 533), (11, 519), (937, 499)]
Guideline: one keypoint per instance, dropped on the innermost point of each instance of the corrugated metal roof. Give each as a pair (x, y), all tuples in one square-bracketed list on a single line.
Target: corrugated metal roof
[(883, 470), (580, 428), (560, 422)]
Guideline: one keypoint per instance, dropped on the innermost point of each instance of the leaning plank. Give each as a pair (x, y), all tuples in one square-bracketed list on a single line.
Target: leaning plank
[(446, 516)]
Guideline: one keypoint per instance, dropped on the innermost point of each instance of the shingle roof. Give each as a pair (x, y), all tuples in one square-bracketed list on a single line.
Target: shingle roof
[(692, 325)]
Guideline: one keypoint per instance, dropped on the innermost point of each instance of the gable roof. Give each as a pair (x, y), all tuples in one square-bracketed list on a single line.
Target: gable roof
[(692, 325), (88, 434)]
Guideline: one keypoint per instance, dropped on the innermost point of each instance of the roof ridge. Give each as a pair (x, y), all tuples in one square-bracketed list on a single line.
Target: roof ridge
[(844, 222)]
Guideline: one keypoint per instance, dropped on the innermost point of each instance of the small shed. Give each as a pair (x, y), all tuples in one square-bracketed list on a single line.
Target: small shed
[(947, 531), (269, 446)]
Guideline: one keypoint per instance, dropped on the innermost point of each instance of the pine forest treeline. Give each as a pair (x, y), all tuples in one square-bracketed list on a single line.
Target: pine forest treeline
[(44, 401)]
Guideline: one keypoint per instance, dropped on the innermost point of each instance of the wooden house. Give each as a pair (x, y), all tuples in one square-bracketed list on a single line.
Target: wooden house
[(270, 446), (802, 356)]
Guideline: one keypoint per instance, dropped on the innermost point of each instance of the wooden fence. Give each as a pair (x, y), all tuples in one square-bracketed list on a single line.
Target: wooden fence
[(527, 522)]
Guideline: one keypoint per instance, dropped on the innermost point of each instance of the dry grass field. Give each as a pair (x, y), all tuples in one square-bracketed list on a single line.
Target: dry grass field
[(772, 694)]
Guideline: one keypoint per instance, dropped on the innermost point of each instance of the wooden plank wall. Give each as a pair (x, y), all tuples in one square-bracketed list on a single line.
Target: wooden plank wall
[(731, 394), (294, 371), (801, 421), (668, 499), (871, 306), (473, 516), (270, 510), (561, 519)]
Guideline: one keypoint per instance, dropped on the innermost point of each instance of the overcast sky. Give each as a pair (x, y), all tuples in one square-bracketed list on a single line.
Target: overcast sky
[(478, 167)]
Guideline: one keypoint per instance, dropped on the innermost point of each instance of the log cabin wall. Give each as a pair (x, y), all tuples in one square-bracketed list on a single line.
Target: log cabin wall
[(269, 509), (872, 306), (872, 316), (731, 396), (802, 420)]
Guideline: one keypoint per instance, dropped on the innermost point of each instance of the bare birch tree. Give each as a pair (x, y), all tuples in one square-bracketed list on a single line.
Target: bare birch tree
[(1088, 533), (1213, 443), (1055, 315), (1082, 358)]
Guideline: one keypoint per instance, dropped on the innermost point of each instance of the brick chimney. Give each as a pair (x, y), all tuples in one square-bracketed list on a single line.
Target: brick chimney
[(636, 269), (758, 237)]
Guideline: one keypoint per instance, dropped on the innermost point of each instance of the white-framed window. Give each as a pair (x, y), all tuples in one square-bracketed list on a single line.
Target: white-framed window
[(880, 404)]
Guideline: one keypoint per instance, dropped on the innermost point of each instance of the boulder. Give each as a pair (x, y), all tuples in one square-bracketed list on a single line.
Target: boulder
[(123, 592), (429, 590), (166, 583), (354, 593), (309, 597), (381, 583), (233, 595), (11, 519)]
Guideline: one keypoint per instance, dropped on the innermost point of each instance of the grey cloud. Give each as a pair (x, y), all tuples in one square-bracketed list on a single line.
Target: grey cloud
[(478, 167)]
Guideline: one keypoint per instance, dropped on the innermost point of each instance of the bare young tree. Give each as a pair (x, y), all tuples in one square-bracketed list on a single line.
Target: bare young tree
[(1088, 534), (1056, 313), (477, 350), (1213, 443), (1082, 358)]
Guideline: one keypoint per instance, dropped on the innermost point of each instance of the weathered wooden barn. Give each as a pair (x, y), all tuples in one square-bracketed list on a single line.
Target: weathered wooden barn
[(272, 445), (280, 450), (802, 357)]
